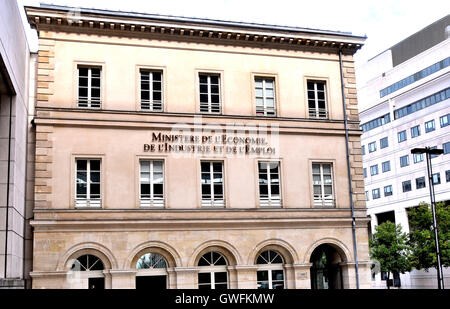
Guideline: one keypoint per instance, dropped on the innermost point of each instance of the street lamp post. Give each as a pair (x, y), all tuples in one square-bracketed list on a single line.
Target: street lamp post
[(429, 151)]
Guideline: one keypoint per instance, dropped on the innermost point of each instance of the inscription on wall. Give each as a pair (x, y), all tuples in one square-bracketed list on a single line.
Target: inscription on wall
[(222, 144)]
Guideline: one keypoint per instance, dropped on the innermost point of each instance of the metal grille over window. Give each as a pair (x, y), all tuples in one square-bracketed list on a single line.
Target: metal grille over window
[(151, 183), (270, 274), (88, 183), (323, 185), (89, 87), (316, 99), (210, 93), (151, 91), (151, 261), (265, 96), (87, 262), (269, 184), (212, 184)]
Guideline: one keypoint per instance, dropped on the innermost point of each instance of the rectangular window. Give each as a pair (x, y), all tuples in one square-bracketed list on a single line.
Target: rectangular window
[(436, 178), (265, 96), (404, 161), (446, 148), (212, 184), (367, 195), (406, 185), (374, 170), (323, 184), (375, 193), (269, 184), (420, 183), (372, 147), (388, 190), (401, 136), (429, 126), (89, 87), (210, 93), (444, 120), (415, 131), (365, 172), (317, 99), (418, 157), (151, 91), (151, 183), (87, 193), (384, 142), (386, 166), (363, 149), (447, 175)]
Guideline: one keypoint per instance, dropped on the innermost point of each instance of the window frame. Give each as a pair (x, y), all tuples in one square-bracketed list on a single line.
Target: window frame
[(153, 203), (377, 195), (271, 202), (89, 67), (90, 203), (323, 203), (264, 77), (382, 144), (386, 191), (406, 182), (151, 102), (212, 270), (413, 131), (424, 182), (211, 202), (374, 170), (269, 268), (386, 164), (209, 104), (446, 122), (402, 162), (429, 129), (318, 112), (372, 146), (401, 134)]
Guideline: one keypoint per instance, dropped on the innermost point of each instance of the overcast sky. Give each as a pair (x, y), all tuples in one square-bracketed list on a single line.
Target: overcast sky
[(384, 22)]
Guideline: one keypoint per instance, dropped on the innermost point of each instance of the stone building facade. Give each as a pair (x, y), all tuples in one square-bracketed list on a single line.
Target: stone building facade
[(184, 153)]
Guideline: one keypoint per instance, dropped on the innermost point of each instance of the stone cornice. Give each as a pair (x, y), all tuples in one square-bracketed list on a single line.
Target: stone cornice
[(101, 22)]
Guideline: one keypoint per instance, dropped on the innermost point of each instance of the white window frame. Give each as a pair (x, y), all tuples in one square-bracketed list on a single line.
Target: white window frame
[(323, 200), (209, 93), (90, 100), (88, 201), (153, 105), (264, 110), (212, 202), (152, 201), (430, 126), (372, 147), (270, 200), (269, 267), (316, 112), (211, 270)]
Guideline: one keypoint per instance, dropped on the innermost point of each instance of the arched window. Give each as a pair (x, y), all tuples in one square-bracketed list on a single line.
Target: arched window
[(152, 271), (270, 274), (87, 262), (151, 260), (213, 271), (92, 271)]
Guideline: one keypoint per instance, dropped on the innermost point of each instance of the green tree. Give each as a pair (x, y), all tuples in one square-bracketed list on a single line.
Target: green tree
[(389, 246), (421, 235)]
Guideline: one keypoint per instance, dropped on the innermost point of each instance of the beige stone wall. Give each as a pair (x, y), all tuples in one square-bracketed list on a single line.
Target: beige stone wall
[(117, 133)]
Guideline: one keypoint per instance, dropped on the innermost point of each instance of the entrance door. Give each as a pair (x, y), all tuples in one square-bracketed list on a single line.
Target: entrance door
[(325, 271), (151, 282), (96, 283)]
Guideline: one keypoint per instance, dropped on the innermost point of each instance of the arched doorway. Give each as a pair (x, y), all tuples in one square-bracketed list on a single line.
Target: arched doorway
[(326, 271), (151, 272)]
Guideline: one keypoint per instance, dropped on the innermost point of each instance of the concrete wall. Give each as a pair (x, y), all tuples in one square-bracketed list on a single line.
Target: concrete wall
[(14, 53)]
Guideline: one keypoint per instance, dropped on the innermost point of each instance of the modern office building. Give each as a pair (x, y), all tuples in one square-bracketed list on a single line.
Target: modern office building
[(176, 152), (403, 97), (15, 208)]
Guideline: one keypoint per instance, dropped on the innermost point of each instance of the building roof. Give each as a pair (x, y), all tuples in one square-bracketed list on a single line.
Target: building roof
[(70, 19)]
